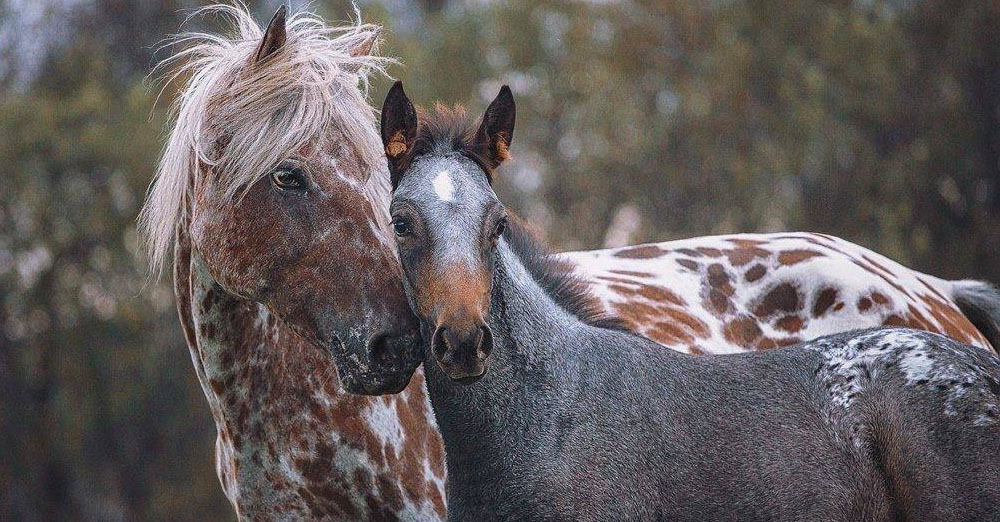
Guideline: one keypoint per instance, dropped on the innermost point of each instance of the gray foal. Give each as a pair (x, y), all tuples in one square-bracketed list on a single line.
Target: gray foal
[(549, 412)]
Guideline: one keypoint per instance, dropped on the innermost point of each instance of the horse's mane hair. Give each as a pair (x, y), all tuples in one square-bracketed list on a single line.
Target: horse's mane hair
[(239, 118), (556, 275), (450, 130)]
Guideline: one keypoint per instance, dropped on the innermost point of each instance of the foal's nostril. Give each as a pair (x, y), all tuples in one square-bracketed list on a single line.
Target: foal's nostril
[(439, 344), (486, 342)]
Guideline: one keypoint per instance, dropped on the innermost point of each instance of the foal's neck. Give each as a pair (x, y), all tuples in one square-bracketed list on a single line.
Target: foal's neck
[(533, 339), (523, 314), (538, 370)]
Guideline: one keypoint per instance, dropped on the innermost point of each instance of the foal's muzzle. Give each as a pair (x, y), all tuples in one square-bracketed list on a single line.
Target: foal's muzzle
[(461, 352)]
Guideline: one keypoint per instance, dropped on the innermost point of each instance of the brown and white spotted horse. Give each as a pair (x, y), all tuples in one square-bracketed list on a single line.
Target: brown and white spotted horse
[(273, 196), (759, 291), (272, 192)]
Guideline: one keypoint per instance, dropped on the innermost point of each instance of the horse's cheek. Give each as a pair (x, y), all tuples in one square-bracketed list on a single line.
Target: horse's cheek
[(244, 244)]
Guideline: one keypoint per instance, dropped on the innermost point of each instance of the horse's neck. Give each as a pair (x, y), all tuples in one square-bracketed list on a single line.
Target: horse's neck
[(253, 371), (236, 344), (284, 425), (548, 373), (527, 323)]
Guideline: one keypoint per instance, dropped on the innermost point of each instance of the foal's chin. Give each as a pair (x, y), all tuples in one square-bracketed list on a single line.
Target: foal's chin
[(462, 375), (465, 381)]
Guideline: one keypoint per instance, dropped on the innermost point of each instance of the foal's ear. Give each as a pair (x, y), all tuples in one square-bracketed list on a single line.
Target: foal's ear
[(274, 35), (399, 130), (497, 129)]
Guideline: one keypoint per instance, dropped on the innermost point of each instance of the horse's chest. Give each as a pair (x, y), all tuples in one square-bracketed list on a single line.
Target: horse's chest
[(328, 478)]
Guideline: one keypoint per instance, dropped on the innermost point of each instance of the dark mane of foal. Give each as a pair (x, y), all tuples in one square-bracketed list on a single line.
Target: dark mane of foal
[(450, 130), (556, 275)]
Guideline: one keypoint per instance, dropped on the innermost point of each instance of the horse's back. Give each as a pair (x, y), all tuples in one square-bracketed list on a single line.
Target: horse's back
[(864, 425), (868, 425), (732, 293), (709, 438)]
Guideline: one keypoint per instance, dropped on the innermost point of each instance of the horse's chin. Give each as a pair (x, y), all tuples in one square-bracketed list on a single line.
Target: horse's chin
[(381, 384), (465, 381), (362, 374)]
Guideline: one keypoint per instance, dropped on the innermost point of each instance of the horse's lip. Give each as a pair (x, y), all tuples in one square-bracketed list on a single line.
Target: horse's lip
[(374, 379), (470, 379), (383, 384), (402, 384)]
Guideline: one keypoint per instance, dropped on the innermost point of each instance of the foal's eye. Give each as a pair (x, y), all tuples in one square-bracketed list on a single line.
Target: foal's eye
[(501, 227), (288, 178), (401, 227)]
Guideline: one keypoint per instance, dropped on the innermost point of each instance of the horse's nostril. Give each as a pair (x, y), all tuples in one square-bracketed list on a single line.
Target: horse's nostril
[(378, 349), (439, 344), (486, 343)]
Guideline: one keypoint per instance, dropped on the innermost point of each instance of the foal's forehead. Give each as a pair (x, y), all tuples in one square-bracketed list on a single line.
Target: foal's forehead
[(450, 182)]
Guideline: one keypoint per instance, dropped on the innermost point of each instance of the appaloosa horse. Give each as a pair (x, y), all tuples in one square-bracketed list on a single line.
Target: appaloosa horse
[(272, 191), (758, 291), (549, 412), (273, 194)]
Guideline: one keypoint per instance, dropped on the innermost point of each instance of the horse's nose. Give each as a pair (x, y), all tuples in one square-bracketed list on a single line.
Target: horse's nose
[(462, 351), (390, 350)]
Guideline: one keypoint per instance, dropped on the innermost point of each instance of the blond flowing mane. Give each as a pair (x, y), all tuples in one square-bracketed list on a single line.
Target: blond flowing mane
[(239, 118)]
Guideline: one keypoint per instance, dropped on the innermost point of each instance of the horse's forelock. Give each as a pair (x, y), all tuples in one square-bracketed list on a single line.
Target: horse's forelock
[(243, 117)]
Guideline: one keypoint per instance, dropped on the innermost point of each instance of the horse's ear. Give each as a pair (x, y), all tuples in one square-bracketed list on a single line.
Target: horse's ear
[(399, 130), (497, 129), (368, 36), (274, 36)]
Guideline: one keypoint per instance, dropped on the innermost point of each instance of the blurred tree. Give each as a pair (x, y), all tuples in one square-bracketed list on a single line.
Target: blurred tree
[(101, 417), (875, 121), (878, 121)]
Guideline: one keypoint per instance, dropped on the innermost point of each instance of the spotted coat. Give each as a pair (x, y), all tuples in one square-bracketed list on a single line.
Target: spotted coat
[(291, 444), (757, 291), (850, 370), (301, 447)]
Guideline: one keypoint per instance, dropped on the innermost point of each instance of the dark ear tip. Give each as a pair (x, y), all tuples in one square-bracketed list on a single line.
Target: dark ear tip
[(274, 35), (396, 94), (281, 13)]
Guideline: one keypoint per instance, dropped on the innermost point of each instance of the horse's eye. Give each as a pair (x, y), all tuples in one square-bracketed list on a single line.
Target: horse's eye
[(501, 227), (401, 227), (288, 178)]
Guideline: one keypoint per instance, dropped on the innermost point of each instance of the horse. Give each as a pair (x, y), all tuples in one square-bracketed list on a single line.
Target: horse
[(291, 444), (271, 192), (738, 292), (550, 410)]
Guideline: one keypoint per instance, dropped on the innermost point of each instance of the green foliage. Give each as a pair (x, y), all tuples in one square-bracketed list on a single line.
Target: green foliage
[(876, 121), (101, 414)]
